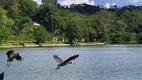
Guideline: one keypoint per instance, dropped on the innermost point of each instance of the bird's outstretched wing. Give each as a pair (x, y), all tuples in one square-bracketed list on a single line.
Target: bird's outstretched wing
[(18, 57), (69, 59), (59, 60), (10, 53), (2, 76)]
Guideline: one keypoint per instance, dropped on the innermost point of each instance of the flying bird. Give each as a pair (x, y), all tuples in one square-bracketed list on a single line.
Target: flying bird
[(64, 62), (2, 76), (11, 56)]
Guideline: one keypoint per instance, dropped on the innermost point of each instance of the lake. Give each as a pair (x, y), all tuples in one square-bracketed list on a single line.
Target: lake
[(107, 62)]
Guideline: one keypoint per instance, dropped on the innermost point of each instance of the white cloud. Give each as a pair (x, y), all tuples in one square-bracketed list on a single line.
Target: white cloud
[(91, 2), (65, 2), (107, 5), (38, 1), (68, 2), (113, 4)]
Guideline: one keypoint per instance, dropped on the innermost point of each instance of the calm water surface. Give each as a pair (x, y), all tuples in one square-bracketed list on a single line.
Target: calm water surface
[(108, 62)]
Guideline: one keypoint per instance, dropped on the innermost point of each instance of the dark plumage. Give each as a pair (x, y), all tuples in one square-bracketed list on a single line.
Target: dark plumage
[(59, 60), (64, 62), (2, 76), (11, 56)]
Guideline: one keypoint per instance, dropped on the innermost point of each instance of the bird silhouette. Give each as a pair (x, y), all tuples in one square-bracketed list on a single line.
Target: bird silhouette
[(64, 62), (11, 56), (2, 76)]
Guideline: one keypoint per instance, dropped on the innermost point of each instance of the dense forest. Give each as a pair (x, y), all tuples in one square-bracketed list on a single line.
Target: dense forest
[(77, 23)]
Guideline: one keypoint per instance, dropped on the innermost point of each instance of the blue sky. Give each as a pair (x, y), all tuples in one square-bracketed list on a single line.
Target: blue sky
[(106, 3), (119, 2)]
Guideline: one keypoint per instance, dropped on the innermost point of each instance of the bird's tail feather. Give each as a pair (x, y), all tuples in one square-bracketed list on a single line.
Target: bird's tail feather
[(8, 64), (58, 67)]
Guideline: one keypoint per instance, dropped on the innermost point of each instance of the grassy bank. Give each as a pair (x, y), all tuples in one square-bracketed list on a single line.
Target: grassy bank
[(11, 45)]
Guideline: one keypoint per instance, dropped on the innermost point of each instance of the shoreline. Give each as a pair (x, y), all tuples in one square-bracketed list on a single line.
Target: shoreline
[(49, 45)]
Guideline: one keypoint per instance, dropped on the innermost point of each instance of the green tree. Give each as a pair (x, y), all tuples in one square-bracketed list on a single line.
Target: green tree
[(76, 29), (103, 21), (133, 20), (5, 24), (41, 35), (49, 1), (139, 38), (116, 38), (10, 5), (73, 32), (51, 20), (27, 7)]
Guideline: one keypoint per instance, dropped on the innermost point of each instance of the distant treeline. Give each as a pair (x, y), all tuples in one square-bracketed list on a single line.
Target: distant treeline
[(77, 23)]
